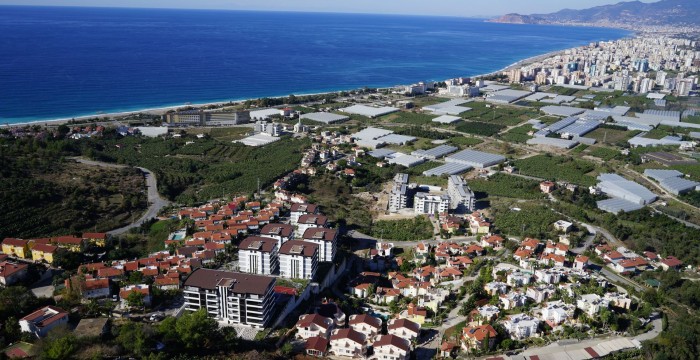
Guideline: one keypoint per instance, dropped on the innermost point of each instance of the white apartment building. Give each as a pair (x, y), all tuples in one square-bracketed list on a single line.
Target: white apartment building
[(298, 259), (258, 255), (521, 326), (279, 232), (298, 210), (236, 298), (403, 328), (326, 239), (428, 204), (462, 199), (391, 347), (308, 221)]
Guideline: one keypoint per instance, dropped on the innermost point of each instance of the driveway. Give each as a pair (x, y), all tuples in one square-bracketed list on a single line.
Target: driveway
[(155, 201)]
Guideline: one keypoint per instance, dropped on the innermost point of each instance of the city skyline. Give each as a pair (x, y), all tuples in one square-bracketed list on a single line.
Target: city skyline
[(402, 7)]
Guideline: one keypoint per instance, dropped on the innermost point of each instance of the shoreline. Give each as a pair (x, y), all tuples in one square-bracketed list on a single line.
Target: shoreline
[(160, 110)]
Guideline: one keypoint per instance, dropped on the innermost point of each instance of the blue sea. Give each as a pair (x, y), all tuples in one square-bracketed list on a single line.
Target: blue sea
[(59, 62)]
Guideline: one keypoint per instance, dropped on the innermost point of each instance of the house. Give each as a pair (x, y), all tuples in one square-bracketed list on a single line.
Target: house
[(404, 328), (416, 314), (331, 310), (512, 300), (347, 342), (11, 273), (165, 282), (530, 244), (298, 259), (591, 304), (486, 313), (143, 289), (43, 253), (367, 325), (478, 337), (387, 295), (308, 221), (540, 293), (258, 255), (326, 239), (316, 346), (312, 325), (555, 313), (518, 278), (563, 226), (581, 262), (547, 187), (70, 243), (89, 287), (42, 321), (549, 276), (391, 347), (494, 241), (495, 288), (97, 239), (448, 349), (477, 224), (16, 247), (521, 326), (670, 262), (630, 265)]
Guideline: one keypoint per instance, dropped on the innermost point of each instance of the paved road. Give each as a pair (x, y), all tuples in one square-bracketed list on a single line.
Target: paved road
[(365, 241), (155, 201)]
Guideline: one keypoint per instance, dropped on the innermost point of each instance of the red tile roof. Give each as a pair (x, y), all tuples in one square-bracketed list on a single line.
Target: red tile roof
[(386, 340), (15, 242)]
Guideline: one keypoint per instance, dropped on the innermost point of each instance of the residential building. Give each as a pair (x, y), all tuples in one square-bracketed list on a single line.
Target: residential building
[(43, 253), (311, 325), (326, 239), (556, 312), (367, 325), (97, 239), (347, 342), (392, 347), (316, 346), (591, 304), (521, 326), (16, 247), (143, 289), (478, 337), (462, 199), (258, 255), (298, 259), (298, 210), (279, 232), (403, 328), (310, 221), (424, 203), (11, 273), (235, 298), (89, 287), (41, 321), (70, 243)]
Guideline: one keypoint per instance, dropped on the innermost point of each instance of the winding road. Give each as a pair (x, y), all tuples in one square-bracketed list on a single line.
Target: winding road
[(155, 201)]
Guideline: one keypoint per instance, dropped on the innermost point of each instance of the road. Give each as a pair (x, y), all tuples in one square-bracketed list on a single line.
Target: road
[(155, 201)]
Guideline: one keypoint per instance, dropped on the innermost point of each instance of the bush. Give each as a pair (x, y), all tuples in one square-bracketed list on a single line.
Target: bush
[(419, 228)]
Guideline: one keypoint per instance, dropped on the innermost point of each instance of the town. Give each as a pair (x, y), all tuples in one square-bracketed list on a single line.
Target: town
[(482, 217)]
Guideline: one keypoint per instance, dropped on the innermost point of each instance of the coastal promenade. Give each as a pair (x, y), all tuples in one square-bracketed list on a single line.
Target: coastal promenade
[(155, 201)]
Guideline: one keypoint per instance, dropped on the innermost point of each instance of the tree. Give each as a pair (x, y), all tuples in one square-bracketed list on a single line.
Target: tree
[(197, 329), (135, 299), (58, 346), (132, 336)]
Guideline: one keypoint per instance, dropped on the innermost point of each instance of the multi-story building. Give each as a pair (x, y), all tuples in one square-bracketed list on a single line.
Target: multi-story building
[(298, 259), (298, 210), (478, 337), (462, 199), (311, 221), (347, 342), (392, 347), (236, 298), (521, 326), (279, 232), (326, 239), (366, 325), (403, 328), (201, 118), (40, 322), (258, 255), (16, 247), (401, 193), (425, 203), (43, 252), (310, 325)]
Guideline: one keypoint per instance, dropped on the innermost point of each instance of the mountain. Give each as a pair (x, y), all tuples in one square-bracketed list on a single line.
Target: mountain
[(625, 14)]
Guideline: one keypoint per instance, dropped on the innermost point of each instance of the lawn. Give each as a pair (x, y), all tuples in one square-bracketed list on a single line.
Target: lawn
[(558, 168)]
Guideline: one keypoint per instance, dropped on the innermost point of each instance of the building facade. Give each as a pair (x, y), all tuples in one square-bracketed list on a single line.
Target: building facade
[(258, 255), (430, 204), (462, 199), (326, 239), (298, 259), (236, 298)]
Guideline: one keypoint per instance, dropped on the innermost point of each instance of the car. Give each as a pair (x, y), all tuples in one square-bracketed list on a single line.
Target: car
[(156, 317), (115, 298)]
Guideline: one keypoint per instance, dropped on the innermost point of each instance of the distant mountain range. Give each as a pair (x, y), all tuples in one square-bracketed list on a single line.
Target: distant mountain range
[(626, 14)]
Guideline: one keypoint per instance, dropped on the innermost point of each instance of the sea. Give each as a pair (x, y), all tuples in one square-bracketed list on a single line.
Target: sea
[(63, 62)]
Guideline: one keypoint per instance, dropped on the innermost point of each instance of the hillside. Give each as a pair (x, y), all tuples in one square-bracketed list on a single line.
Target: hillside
[(633, 13)]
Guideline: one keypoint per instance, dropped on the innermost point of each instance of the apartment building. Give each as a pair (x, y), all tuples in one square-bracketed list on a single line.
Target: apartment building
[(298, 259), (326, 239), (428, 204), (462, 199), (311, 221), (298, 210), (236, 298), (258, 255)]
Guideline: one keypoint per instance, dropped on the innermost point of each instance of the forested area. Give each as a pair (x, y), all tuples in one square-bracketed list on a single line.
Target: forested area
[(46, 194), (419, 228)]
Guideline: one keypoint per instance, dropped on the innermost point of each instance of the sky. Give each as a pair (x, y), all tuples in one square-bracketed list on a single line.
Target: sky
[(412, 7)]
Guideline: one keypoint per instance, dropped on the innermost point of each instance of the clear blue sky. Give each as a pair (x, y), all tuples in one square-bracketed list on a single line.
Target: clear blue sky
[(418, 7)]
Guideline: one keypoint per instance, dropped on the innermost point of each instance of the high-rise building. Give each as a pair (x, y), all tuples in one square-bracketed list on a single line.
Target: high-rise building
[(424, 203), (462, 198), (258, 255)]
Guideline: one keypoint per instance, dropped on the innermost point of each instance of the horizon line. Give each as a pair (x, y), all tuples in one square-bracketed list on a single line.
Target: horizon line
[(481, 17)]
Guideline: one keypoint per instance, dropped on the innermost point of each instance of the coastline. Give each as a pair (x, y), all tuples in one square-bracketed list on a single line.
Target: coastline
[(110, 117)]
